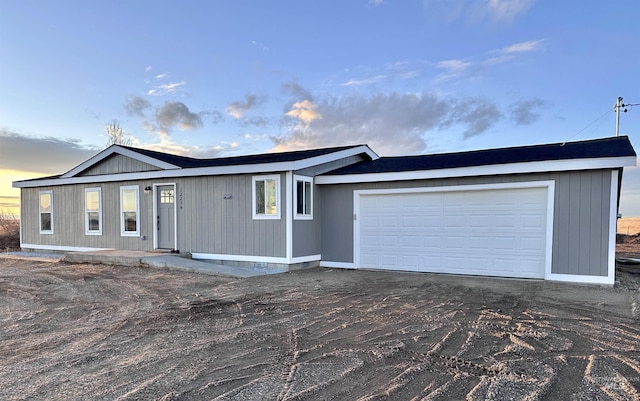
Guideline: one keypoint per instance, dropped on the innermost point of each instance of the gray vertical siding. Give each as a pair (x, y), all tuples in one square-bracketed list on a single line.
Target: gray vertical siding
[(209, 223), (116, 164), (68, 218), (306, 233), (580, 229)]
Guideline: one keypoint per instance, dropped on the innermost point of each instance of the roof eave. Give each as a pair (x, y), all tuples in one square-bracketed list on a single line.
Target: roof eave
[(491, 169)]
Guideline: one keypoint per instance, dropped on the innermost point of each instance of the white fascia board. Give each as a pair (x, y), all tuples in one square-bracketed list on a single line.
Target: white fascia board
[(494, 169), (314, 161), (163, 174), (121, 151)]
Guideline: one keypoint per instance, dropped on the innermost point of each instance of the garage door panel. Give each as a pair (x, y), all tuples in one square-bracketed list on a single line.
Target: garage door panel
[(533, 244), (432, 222), (454, 242), (488, 232), (478, 243), (455, 221), (534, 221)]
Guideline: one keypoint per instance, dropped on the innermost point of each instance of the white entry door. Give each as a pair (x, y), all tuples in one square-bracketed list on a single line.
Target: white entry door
[(496, 232), (165, 218)]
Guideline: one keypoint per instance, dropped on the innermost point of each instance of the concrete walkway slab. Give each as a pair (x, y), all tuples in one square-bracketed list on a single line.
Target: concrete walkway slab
[(164, 261)]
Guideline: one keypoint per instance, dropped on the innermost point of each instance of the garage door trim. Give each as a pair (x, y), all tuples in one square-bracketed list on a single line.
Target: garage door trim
[(548, 184)]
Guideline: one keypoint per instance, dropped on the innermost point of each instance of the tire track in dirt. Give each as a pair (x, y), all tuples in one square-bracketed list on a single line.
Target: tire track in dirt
[(104, 333)]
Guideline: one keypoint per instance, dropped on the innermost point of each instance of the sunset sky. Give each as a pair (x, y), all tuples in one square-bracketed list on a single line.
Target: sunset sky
[(223, 78)]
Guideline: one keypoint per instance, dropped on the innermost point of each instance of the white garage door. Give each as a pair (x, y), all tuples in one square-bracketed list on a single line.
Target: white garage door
[(497, 232)]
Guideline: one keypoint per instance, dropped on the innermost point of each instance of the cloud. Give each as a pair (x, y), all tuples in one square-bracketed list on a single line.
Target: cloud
[(391, 123), (452, 69), (504, 11), (477, 114), (523, 47), (399, 70), (507, 10), (165, 88), (239, 108), (523, 111), (455, 68), (367, 81), (136, 106), (260, 45), (177, 114), (304, 111), (45, 155), (297, 91)]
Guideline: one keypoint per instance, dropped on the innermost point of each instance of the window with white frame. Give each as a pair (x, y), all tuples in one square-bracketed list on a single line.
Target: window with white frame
[(93, 211), (45, 200), (303, 195), (266, 197), (129, 211)]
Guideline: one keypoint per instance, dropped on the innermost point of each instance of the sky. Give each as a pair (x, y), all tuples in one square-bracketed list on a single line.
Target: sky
[(224, 78)]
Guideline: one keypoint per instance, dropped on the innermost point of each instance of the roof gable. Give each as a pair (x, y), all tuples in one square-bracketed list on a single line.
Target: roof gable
[(148, 164), (118, 150)]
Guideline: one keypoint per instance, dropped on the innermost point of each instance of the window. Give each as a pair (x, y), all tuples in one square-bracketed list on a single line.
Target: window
[(129, 211), (303, 198), (166, 196), (93, 211), (46, 212), (266, 197)]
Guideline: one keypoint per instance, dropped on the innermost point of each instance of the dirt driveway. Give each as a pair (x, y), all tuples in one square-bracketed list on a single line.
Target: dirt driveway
[(80, 332)]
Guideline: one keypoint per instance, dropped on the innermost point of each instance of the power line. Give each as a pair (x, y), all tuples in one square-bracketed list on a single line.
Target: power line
[(589, 125)]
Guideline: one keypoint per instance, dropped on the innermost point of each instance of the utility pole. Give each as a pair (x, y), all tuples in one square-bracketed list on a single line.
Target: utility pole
[(617, 108), (621, 106)]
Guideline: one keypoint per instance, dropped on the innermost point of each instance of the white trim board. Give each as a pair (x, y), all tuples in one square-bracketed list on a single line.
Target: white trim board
[(63, 248), (255, 259)]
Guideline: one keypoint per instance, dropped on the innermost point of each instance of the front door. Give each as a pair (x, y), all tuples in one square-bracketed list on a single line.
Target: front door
[(166, 216)]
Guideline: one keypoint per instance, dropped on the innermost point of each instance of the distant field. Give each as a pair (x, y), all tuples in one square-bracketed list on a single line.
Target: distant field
[(629, 225)]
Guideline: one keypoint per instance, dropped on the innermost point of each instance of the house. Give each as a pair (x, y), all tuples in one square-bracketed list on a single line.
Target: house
[(545, 211)]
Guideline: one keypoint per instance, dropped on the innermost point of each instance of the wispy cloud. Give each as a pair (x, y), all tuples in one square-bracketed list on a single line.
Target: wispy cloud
[(400, 70), (522, 47), (461, 68), (162, 89), (504, 11), (452, 68), (237, 109), (260, 45), (136, 105), (507, 10), (366, 81), (524, 111)]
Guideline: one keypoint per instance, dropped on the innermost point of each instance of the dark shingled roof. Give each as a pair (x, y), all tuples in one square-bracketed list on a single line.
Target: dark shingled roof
[(598, 148), (189, 162)]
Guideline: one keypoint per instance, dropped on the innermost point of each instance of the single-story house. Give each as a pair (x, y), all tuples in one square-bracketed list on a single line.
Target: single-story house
[(545, 211)]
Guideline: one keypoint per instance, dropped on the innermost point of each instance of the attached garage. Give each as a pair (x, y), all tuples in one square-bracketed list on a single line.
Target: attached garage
[(491, 230), (537, 212)]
